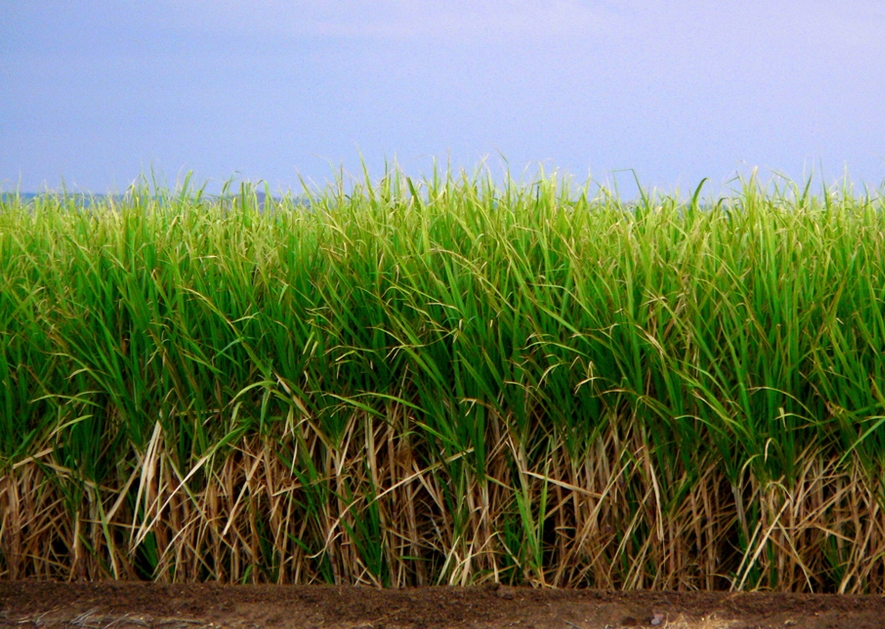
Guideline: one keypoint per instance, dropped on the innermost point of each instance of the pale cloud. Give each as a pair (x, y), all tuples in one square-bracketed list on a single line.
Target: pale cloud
[(846, 25), (398, 19)]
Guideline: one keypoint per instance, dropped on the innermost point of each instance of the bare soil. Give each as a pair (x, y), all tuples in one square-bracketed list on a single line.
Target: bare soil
[(124, 605)]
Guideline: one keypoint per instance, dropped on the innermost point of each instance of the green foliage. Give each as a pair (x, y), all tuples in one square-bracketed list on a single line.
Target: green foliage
[(526, 319)]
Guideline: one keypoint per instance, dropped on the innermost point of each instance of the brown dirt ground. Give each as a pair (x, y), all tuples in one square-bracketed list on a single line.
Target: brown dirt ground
[(109, 605)]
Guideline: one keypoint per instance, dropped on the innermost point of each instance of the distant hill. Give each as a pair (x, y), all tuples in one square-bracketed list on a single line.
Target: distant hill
[(81, 199)]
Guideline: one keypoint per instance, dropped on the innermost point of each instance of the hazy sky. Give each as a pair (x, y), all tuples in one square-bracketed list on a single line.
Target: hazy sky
[(95, 93)]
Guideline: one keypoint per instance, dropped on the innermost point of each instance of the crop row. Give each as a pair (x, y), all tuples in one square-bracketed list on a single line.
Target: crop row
[(445, 381)]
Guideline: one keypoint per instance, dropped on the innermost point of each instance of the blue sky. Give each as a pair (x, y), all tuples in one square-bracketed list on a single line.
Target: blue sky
[(96, 93)]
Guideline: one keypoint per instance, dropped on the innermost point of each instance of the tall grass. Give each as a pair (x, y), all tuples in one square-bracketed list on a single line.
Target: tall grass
[(446, 381)]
